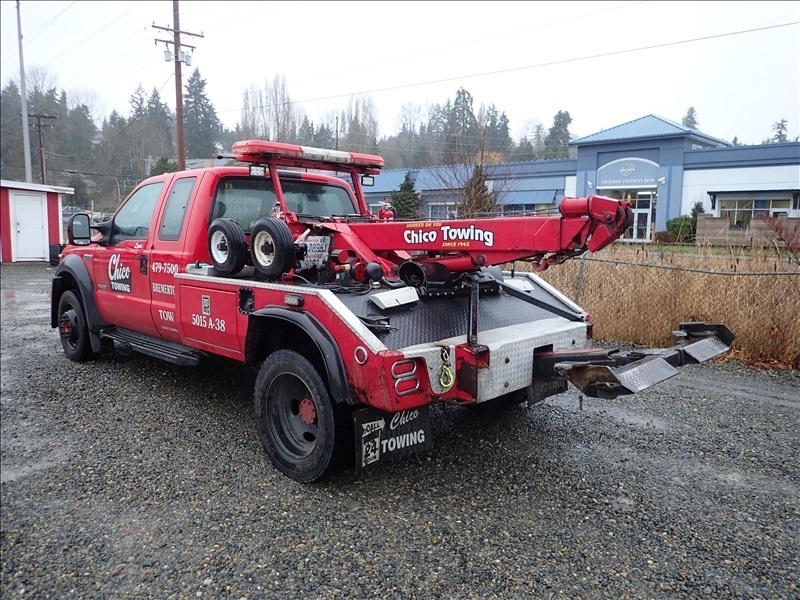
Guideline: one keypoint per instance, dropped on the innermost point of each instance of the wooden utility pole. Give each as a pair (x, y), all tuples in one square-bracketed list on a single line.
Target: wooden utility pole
[(179, 58), (26, 140), (39, 126)]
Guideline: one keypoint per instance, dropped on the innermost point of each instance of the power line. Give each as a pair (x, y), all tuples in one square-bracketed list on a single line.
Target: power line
[(536, 66), (63, 54)]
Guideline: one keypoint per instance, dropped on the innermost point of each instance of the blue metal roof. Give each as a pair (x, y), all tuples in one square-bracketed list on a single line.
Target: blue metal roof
[(528, 197), (390, 181), (645, 127), (443, 177)]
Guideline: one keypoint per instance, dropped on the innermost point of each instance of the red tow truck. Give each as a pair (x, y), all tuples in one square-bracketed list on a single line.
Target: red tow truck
[(359, 323)]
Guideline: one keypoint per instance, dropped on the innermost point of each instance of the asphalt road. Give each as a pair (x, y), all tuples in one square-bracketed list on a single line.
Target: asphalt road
[(127, 477)]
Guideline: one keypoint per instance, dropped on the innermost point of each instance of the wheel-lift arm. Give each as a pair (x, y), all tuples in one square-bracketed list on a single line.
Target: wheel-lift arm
[(462, 245), (603, 373)]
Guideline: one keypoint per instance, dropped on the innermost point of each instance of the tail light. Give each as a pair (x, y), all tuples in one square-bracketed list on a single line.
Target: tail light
[(404, 374)]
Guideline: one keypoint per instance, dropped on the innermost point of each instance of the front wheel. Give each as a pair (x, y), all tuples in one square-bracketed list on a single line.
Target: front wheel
[(72, 328), (294, 416)]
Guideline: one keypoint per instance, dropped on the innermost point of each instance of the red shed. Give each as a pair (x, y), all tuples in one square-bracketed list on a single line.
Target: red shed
[(30, 220)]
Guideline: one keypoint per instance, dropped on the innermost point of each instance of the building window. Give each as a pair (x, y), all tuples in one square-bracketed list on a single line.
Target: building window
[(740, 212), (515, 209), (439, 211)]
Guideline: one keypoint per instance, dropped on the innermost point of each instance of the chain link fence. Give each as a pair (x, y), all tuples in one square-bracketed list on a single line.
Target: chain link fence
[(639, 295)]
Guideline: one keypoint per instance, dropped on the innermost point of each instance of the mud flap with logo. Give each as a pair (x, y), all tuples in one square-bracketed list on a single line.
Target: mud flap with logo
[(381, 436)]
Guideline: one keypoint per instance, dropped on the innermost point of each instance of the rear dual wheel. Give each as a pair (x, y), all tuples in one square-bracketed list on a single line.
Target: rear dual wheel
[(295, 418)]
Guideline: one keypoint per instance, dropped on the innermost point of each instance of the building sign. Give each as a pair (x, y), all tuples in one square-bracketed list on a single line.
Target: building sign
[(627, 173)]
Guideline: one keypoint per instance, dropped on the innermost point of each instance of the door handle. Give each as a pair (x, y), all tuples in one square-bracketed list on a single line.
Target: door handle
[(142, 263)]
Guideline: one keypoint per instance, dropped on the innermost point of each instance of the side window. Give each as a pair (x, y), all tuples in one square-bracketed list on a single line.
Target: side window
[(244, 200), (175, 211), (317, 199), (132, 221)]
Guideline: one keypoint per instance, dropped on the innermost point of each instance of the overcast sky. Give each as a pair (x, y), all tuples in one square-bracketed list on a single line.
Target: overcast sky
[(606, 63)]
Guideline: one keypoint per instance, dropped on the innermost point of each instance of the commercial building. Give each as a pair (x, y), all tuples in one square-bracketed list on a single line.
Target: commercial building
[(661, 167)]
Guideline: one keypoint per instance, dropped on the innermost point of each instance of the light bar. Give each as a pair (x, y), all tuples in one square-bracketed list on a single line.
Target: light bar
[(264, 151), (326, 155)]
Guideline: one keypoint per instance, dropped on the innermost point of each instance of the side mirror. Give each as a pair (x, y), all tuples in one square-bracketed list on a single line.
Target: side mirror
[(79, 232)]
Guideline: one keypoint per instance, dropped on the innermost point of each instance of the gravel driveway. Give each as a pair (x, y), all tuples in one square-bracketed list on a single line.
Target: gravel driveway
[(128, 477)]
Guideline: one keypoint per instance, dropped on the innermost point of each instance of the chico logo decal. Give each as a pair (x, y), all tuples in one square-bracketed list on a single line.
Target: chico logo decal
[(449, 236), (119, 276)]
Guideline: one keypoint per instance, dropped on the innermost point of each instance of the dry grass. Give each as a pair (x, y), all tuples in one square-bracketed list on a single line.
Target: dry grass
[(643, 303)]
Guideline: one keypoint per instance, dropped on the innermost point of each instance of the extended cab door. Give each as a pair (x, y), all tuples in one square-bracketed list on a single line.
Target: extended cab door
[(121, 269), (169, 255)]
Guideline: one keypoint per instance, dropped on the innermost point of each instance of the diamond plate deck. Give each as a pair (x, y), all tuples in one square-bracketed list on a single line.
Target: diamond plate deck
[(705, 349), (644, 374), (433, 319)]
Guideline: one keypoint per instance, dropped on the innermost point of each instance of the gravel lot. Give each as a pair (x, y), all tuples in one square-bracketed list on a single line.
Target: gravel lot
[(128, 477)]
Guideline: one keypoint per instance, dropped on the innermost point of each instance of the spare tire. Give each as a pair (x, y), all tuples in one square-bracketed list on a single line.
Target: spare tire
[(227, 246), (271, 247)]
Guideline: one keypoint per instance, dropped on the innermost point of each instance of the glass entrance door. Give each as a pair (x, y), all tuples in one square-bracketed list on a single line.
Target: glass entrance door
[(640, 230), (643, 203)]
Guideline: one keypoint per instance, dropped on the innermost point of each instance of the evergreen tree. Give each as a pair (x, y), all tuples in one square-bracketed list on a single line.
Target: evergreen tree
[(163, 165), (498, 139), (80, 196), (462, 139), (305, 133), (324, 138), (406, 202), (555, 144), (201, 124), (690, 119), (523, 151), (477, 199), (12, 162), (538, 141), (780, 136)]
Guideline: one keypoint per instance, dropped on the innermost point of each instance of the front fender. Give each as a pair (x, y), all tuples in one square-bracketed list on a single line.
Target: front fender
[(72, 273)]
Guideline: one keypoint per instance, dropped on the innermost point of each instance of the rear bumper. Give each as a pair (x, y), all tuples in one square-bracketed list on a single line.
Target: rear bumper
[(506, 358)]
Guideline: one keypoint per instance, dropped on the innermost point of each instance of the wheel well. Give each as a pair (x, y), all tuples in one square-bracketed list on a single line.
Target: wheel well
[(268, 333), (61, 283), (277, 334)]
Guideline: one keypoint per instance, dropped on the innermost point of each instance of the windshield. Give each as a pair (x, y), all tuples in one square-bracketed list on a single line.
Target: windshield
[(248, 199)]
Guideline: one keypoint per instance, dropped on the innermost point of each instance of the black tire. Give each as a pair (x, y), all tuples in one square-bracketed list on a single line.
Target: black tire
[(295, 418), (271, 247), (227, 246), (499, 404), (72, 328)]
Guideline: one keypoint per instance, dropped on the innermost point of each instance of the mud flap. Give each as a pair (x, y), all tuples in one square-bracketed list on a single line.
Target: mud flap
[(381, 436)]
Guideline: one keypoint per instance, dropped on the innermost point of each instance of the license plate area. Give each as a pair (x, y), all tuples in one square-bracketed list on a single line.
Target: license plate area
[(382, 436)]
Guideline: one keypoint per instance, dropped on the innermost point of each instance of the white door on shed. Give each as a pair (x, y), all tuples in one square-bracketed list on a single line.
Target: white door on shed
[(29, 226)]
